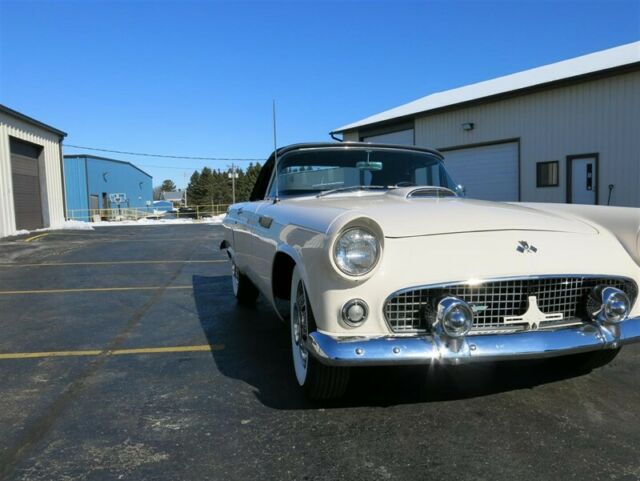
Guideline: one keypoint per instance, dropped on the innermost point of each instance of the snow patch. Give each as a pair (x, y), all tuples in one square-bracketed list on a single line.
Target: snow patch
[(66, 225), (216, 219), (80, 225)]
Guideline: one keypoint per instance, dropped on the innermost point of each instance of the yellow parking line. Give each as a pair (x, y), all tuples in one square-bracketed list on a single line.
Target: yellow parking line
[(109, 263), (36, 237), (115, 352), (93, 289)]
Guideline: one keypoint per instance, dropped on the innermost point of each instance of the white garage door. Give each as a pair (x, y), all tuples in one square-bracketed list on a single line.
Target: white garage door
[(489, 172), (402, 137)]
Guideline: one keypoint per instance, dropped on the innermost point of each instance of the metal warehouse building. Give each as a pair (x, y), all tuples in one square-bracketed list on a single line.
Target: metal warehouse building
[(96, 184), (564, 132), (31, 179)]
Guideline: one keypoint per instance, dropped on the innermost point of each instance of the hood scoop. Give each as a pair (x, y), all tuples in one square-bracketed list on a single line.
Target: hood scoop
[(430, 192)]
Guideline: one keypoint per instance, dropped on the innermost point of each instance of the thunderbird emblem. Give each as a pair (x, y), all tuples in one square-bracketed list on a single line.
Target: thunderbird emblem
[(534, 316), (525, 248)]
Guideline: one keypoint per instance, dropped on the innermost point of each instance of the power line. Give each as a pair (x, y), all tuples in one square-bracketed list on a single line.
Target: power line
[(187, 157)]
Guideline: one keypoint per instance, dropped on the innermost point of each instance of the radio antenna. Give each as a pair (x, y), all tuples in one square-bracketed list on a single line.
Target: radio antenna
[(275, 151)]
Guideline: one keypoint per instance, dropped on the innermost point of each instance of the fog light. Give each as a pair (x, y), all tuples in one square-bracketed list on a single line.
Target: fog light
[(455, 316), (608, 304), (355, 312)]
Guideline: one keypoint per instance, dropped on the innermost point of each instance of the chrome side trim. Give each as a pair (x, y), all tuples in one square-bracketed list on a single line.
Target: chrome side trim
[(426, 349)]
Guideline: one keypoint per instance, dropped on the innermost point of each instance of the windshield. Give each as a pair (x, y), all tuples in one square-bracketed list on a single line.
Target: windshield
[(315, 171)]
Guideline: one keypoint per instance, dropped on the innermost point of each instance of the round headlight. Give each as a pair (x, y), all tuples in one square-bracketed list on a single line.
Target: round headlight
[(356, 251), (455, 316), (609, 304)]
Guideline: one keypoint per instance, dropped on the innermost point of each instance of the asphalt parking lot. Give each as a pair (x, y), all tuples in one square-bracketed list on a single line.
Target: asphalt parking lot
[(124, 356)]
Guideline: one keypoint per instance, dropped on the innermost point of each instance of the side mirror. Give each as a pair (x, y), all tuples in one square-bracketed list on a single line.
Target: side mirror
[(460, 190)]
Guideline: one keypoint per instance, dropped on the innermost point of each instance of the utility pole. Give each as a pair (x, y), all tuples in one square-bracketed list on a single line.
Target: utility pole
[(184, 175), (233, 176)]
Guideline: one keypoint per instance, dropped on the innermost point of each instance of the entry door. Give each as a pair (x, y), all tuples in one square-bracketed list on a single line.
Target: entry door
[(25, 174), (583, 175)]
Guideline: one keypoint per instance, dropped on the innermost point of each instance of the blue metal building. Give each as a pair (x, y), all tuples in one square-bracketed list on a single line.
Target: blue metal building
[(98, 183)]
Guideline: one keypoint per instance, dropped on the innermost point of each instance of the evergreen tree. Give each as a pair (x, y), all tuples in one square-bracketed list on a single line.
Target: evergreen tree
[(210, 187)]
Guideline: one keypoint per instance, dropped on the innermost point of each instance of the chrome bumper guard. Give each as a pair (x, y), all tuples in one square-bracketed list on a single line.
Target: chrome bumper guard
[(426, 349)]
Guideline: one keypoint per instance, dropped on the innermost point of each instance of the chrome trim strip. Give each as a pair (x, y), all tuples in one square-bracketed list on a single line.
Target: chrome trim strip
[(426, 349)]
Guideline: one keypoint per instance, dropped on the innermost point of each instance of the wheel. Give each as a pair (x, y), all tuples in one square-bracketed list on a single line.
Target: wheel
[(320, 382), (244, 290)]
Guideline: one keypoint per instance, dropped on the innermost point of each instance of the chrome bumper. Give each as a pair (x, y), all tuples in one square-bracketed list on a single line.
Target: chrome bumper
[(425, 349)]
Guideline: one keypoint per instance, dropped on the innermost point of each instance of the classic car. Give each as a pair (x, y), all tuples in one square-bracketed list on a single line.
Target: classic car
[(383, 261)]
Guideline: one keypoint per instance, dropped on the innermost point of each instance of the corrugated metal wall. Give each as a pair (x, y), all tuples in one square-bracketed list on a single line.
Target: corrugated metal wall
[(75, 181), (600, 116), (117, 177), (54, 200), (350, 136)]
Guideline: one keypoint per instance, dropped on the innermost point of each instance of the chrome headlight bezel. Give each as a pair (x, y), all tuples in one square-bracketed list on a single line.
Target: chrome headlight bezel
[(608, 305), (339, 261)]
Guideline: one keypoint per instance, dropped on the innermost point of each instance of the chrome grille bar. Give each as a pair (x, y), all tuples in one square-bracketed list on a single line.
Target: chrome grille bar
[(413, 310)]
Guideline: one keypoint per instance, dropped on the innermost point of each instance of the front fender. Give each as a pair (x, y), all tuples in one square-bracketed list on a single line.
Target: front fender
[(622, 222)]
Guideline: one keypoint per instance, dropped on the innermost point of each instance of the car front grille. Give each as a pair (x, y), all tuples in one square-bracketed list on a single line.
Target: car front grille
[(414, 310)]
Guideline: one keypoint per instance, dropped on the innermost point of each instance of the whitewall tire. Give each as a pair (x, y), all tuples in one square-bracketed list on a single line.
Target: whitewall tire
[(243, 289), (319, 381)]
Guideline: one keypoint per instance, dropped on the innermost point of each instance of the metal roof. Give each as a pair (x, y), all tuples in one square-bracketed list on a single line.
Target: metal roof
[(25, 118), (87, 156), (604, 60)]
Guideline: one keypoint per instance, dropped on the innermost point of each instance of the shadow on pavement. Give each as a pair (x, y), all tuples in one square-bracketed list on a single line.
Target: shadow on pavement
[(257, 351)]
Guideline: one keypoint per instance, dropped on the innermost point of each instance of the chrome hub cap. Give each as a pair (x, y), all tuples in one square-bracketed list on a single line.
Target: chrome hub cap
[(300, 325), (235, 278)]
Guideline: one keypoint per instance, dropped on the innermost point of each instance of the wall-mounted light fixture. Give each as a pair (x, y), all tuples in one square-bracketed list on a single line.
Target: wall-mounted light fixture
[(468, 126)]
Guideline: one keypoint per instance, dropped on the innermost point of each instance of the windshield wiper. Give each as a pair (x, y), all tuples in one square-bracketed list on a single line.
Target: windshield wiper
[(354, 187)]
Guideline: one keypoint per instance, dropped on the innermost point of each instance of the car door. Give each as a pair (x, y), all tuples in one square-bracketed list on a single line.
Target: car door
[(265, 231), (241, 214)]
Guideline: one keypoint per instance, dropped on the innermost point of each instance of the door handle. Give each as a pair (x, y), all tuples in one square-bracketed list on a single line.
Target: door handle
[(265, 221)]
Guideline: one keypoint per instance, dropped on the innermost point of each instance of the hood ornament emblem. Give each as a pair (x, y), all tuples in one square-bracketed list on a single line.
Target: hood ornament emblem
[(525, 247)]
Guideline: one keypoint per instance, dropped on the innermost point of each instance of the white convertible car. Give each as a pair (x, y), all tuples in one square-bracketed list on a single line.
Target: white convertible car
[(384, 262)]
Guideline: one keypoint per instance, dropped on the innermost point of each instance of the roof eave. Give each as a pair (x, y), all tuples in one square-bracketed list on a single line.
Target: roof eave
[(629, 67), (32, 121)]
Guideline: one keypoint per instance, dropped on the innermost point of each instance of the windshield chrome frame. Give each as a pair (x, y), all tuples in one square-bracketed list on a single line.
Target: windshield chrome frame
[(364, 147)]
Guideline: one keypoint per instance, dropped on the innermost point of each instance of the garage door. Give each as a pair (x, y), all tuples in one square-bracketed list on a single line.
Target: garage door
[(402, 137), (25, 173), (489, 172)]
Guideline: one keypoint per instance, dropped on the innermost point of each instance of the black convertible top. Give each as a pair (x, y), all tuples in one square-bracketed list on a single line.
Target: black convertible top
[(260, 189)]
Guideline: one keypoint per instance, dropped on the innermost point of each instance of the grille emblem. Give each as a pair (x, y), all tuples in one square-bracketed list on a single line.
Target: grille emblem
[(534, 316), (525, 247)]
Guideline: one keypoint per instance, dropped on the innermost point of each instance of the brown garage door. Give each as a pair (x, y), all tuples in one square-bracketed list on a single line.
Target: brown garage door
[(25, 173)]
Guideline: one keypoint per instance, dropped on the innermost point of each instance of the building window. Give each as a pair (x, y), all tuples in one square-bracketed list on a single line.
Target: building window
[(547, 174)]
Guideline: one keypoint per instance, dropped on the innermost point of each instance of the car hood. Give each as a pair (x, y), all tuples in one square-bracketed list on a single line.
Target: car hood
[(399, 216)]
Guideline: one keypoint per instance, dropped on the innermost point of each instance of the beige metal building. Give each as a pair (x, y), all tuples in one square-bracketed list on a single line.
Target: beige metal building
[(31, 179), (564, 132)]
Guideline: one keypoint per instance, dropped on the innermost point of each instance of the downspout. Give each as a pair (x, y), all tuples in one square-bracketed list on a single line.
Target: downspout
[(333, 136), (64, 187)]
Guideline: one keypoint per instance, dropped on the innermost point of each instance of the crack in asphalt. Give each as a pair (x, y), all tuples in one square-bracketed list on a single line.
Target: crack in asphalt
[(41, 426)]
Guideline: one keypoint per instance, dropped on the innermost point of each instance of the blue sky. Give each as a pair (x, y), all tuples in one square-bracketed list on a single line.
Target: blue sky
[(197, 78)]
